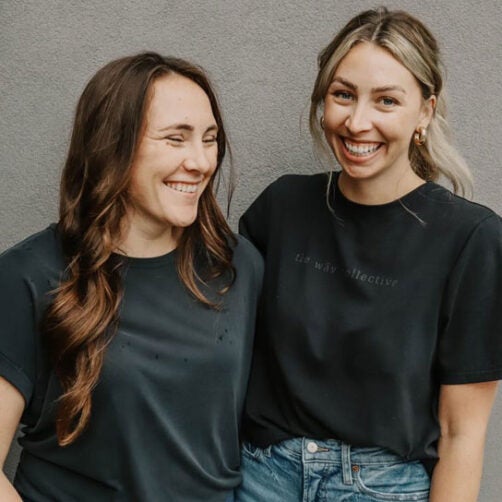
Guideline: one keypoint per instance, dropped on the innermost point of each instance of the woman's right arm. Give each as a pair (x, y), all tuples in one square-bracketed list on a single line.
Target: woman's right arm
[(11, 409)]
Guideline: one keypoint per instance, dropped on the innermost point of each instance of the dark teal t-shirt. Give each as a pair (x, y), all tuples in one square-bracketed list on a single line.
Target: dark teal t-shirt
[(166, 411)]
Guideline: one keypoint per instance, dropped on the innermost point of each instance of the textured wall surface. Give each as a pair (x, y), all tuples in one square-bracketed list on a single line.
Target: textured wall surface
[(261, 55)]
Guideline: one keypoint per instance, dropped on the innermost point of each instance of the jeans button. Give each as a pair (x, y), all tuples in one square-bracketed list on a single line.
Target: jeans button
[(311, 447)]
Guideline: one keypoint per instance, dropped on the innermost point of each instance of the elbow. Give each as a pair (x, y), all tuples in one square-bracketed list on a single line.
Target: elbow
[(469, 433)]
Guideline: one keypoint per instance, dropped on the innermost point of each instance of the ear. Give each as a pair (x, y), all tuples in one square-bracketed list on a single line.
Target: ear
[(428, 109)]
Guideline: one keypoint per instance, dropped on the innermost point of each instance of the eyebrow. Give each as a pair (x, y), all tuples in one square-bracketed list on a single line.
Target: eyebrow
[(187, 127), (346, 83), (384, 88)]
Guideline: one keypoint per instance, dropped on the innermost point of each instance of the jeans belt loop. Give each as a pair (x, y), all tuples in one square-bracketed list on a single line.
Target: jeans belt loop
[(346, 465)]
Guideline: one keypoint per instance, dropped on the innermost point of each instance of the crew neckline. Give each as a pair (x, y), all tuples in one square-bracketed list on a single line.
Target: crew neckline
[(150, 262), (338, 198)]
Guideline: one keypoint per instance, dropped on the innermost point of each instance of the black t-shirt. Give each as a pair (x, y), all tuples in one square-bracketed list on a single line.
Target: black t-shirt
[(367, 310), (167, 408)]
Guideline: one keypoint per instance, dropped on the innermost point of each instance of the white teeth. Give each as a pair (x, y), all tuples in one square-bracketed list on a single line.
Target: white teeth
[(362, 149), (182, 187)]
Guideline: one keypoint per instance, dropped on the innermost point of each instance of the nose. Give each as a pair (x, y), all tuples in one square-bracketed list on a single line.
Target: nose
[(200, 158), (359, 119)]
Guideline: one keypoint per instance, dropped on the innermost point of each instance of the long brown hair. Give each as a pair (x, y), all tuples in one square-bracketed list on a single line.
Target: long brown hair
[(410, 42), (82, 318)]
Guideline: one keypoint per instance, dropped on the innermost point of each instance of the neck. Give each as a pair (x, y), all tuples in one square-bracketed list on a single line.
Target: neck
[(378, 190), (147, 242)]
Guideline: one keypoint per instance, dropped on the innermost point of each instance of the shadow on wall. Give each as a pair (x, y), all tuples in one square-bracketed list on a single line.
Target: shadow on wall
[(12, 458)]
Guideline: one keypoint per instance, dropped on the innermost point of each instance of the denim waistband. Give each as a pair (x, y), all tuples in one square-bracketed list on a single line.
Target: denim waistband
[(310, 465), (335, 451)]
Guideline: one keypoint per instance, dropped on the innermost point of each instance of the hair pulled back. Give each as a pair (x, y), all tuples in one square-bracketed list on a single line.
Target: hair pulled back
[(412, 44)]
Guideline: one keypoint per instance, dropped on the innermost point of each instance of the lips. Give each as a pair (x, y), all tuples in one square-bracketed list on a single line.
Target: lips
[(360, 148)]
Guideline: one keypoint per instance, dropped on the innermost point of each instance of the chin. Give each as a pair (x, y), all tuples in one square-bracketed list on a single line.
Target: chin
[(183, 222), (359, 173)]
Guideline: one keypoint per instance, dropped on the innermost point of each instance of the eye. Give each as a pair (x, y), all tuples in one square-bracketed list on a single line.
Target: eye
[(343, 95), (387, 101), (177, 139), (210, 140)]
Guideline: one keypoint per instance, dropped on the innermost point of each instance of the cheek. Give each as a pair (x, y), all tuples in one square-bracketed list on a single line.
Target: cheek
[(141, 182), (334, 117), (396, 128), (213, 160), (136, 190), (135, 182), (406, 124)]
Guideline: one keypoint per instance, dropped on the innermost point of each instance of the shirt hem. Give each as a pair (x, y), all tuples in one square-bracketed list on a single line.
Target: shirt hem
[(14, 375), (472, 377)]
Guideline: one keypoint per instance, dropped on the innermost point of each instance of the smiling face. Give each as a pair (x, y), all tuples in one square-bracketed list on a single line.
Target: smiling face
[(175, 159), (371, 111)]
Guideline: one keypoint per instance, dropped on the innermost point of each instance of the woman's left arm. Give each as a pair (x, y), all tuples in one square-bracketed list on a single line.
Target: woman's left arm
[(464, 411)]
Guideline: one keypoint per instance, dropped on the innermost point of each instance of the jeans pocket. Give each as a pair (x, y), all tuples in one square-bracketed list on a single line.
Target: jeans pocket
[(405, 481), (253, 451), (289, 449)]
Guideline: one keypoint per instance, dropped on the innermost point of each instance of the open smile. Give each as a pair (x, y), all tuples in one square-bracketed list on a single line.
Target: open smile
[(182, 187), (360, 149)]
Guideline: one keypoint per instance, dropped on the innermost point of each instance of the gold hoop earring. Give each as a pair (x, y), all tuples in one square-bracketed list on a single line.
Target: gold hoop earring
[(321, 122), (420, 136)]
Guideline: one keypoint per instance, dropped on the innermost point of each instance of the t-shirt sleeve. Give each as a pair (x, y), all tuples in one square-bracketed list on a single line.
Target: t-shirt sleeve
[(17, 327), (470, 345)]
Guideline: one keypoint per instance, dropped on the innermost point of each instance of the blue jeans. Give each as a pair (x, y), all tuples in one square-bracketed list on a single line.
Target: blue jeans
[(308, 470)]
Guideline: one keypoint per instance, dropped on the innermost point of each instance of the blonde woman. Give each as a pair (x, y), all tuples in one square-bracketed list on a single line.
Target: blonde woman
[(380, 338)]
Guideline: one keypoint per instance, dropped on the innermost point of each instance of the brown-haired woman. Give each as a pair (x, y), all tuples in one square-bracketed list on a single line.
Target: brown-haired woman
[(379, 344), (127, 327)]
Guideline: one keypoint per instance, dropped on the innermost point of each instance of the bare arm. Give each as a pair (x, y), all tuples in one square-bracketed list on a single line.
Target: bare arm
[(11, 409), (464, 411)]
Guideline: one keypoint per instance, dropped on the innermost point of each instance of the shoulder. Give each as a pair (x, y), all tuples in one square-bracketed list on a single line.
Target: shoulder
[(35, 253), (288, 199), (41, 244), (288, 192), (28, 271), (455, 219), (474, 230), (289, 184), (457, 214), (247, 256)]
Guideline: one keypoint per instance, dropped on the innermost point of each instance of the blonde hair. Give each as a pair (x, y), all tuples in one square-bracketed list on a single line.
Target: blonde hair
[(413, 45)]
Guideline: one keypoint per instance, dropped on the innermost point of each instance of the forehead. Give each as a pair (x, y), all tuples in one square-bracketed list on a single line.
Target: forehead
[(369, 65), (174, 98)]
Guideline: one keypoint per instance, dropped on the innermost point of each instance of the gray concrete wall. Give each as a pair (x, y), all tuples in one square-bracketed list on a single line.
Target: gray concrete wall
[(262, 57)]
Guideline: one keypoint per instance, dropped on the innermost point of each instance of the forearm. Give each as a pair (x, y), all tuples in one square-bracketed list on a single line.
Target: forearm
[(7, 491), (457, 475)]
